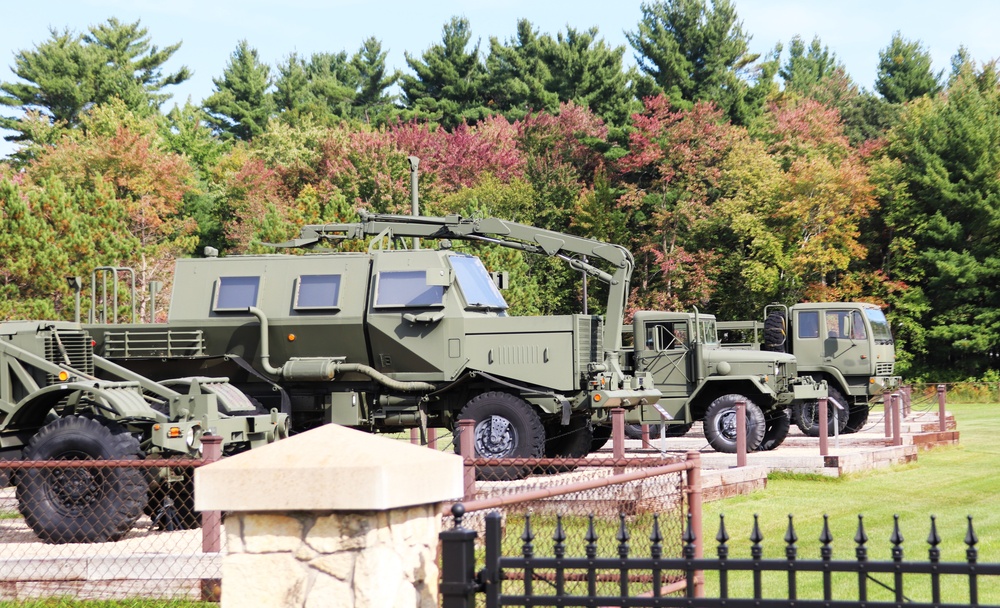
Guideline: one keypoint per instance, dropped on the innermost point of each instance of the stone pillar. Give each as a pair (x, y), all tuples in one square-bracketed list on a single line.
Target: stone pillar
[(331, 517)]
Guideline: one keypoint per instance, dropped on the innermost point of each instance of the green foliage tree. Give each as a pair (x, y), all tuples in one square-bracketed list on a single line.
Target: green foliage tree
[(69, 72), (807, 68), (698, 52), (373, 102), (242, 104), (518, 74), (946, 220), (904, 71), (447, 83)]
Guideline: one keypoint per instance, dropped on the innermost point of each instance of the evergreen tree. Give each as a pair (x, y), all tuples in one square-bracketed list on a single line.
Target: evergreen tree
[(696, 52), (241, 104), (807, 68), (904, 71), (945, 220), (518, 75), (448, 80), (373, 101), (69, 72)]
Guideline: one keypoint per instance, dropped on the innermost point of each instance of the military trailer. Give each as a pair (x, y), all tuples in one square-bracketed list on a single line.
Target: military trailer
[(54, 407), (389, 339), (847, 344), (701, 381)]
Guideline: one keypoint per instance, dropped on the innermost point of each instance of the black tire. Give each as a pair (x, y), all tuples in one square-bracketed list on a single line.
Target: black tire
[(81, 505), (171, 506), (858, 417), (806, 415), (506, 427), (602, 435), (634, 431), (720, 424), (776, 425), (571, 441), (775, 333)]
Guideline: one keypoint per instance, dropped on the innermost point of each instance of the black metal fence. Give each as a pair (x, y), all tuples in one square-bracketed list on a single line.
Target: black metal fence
[(642, 578)]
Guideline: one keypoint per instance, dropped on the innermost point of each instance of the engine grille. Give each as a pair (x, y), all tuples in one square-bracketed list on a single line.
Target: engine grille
[(883, 369), (590, 344), (78, 348)]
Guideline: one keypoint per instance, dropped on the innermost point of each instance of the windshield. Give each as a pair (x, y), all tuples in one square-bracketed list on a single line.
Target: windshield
[(880, 326), (476, 284), (709, 335)]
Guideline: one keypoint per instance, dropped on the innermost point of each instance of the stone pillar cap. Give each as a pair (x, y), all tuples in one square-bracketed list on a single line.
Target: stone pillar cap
[(329, 468)]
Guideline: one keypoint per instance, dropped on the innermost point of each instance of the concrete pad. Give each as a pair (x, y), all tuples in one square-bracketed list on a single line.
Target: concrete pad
[(329, 468)]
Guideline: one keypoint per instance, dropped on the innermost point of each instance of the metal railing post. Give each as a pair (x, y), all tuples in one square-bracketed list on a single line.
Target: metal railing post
[(694, 509), (942, 415), (887, 414), (741, 433), (458, 563), (466, 444), (415, 436), (897, 420), (211, 521), (824, 427), (907, 400), (432, 438), (645, 437), (618, 433)]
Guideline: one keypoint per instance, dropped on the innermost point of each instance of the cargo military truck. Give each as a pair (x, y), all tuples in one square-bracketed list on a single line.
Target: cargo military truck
[(389, 338), (54, 407), (701, 381), (847, 344)]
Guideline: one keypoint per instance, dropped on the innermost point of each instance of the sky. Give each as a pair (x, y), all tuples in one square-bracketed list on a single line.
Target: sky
[(209, 30)]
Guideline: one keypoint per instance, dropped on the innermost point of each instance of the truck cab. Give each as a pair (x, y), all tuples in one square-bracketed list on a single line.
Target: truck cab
[(699, 380)]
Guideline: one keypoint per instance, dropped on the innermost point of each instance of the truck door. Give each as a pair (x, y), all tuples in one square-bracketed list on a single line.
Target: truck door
[(846, 342), (664, 353)]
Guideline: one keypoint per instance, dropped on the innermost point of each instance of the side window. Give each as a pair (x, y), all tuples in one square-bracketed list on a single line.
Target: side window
[(667, 336), (317, 292), (858, 326), (235, 293), (837, 323), (809, 324), (407, 288)]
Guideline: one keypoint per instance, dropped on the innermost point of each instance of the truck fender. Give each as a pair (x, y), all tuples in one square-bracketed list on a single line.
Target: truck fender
[(115, 400)]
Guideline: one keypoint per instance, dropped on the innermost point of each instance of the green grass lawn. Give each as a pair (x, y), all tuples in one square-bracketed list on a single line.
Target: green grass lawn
[(950, 483)]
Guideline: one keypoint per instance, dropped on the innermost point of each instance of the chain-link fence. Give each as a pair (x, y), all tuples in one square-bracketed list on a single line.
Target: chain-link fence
[(93, 529)]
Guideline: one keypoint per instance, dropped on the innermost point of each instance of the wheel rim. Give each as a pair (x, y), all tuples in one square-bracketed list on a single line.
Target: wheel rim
[(73, 490), (496, 437), (727, 424)]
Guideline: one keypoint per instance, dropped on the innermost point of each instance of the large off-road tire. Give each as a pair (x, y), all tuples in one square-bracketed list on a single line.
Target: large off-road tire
[(776, 425), (171, 506), (506, 427), (858, 417), (571, 441), (82, 505), (602, 435), (634, 431), (806, 415), (775, 333), (720, 424)]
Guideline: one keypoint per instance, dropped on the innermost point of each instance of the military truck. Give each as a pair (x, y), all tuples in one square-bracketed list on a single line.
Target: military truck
[(393, 338), (847, 344), (54, 407), (701, 381)]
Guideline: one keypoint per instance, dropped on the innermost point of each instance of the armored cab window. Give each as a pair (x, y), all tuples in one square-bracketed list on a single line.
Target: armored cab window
[(477, 287), (880, 327), (809, 324), (317, 292), (858, 326), (838, 324), (401, 288), (235, 293)]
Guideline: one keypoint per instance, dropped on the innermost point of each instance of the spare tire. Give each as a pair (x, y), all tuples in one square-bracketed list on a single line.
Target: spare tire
[(775, 333)]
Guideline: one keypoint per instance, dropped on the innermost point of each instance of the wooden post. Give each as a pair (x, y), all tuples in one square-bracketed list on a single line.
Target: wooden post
[(897, 420), (694, 509), (942, 414), (211, 522), (618, 433)]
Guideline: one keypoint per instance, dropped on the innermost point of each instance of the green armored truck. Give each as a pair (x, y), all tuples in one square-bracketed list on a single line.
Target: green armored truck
[(53, 406), (389, 339), (701, 381), (847, 344)]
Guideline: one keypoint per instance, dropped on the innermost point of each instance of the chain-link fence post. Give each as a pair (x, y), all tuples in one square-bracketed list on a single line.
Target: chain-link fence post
[(942, 420), (466, 445), (211, 521), (694, 509)]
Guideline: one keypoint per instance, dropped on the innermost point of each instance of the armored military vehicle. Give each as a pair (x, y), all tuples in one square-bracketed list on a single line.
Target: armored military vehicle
[(847, 344), (701, 381), (395, 338), (53, 407)]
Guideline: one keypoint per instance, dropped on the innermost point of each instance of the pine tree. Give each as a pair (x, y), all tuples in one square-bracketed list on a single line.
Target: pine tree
[(242, 103), (904, 71)]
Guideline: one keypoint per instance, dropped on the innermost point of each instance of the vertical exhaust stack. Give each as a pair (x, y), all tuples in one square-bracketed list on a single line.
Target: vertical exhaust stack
[(414, 197)]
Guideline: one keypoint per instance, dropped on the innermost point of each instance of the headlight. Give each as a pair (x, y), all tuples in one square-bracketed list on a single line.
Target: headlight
[(193, 438)]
